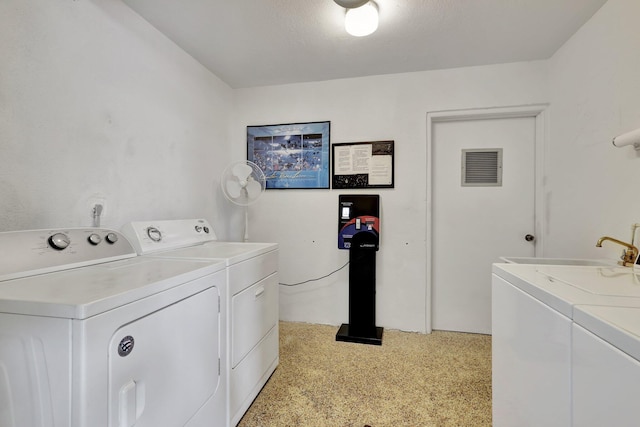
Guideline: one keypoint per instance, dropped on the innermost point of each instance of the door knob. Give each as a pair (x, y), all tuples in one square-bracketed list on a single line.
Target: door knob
[(529, 238)]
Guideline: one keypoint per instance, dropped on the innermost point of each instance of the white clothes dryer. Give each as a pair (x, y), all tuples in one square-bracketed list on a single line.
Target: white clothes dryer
[(92, 335), (253, 297)]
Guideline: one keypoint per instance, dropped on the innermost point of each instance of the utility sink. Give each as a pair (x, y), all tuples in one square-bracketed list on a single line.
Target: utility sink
[(559, 261)]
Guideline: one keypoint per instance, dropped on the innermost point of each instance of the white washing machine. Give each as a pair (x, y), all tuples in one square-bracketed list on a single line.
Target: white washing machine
[(606, 365), (92, 335), (253, 297), (533, 333)]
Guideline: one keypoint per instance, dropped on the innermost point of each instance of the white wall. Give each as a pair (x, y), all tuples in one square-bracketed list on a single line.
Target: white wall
[(595, 95), (305, 223), (590, 190), (96, 105)]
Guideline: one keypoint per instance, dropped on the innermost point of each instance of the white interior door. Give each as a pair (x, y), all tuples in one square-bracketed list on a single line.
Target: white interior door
[(472, 226)]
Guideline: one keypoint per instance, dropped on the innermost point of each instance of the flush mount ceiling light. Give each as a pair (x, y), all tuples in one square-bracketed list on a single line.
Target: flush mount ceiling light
[(351, 4), (361, 18)]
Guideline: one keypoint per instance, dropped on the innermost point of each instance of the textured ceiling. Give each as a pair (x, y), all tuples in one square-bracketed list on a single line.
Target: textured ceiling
[(266, 42)]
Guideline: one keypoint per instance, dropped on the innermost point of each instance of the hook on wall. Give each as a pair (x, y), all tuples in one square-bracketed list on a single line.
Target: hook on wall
[(629, 138)]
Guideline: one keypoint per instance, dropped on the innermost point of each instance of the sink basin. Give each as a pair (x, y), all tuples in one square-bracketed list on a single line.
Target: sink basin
[(558, 261)]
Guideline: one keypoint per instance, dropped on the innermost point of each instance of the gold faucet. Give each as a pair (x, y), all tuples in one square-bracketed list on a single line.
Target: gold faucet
[(628, 259)]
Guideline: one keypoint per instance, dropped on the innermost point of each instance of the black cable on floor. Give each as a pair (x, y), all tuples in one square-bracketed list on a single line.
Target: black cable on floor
[(314, 280)]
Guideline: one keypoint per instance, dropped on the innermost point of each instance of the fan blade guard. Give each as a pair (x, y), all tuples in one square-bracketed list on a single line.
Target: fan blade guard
[(243, 183)]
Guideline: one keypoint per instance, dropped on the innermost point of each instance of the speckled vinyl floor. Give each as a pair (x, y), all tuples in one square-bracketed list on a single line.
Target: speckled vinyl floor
[(414, 380)]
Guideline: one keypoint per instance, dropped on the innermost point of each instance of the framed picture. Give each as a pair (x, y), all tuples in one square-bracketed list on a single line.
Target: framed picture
[(292, 155), (363, 165)]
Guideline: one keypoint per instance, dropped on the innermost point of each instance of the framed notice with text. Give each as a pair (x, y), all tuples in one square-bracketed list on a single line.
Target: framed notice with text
[(363, 165), (292, 155)]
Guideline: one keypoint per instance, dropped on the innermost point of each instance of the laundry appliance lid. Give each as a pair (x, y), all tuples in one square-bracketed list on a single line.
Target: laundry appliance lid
[(189, 238), (564, 287), (84, 292), (230, 252)]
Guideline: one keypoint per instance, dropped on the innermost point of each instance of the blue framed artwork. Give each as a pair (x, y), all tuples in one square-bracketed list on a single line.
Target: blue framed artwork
[(294, 155)]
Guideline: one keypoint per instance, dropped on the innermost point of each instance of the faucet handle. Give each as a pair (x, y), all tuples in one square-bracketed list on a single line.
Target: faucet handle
[(630, 256)]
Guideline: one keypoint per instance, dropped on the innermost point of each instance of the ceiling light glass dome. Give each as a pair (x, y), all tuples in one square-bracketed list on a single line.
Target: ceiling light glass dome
[(362, 21)]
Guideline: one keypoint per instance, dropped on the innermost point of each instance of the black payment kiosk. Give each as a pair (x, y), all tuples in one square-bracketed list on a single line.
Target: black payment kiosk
[(359, 232)]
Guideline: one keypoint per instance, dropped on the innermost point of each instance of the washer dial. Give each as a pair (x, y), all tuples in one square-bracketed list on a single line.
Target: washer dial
[(59, 241)]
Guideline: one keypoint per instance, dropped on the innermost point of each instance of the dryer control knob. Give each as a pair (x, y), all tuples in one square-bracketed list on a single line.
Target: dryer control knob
[(59, 241), (94, 239), (111, 238), (154, 234)]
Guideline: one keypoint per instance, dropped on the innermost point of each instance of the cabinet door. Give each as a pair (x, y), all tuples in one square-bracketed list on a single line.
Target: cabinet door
[(254, 313), (164, 366), (606, 383), (531, 360)]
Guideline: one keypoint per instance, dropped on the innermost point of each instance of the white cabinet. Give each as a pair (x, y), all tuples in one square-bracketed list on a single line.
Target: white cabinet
[(531, 360), (253, 313), (566, 346), (606, 367), (606, 383)]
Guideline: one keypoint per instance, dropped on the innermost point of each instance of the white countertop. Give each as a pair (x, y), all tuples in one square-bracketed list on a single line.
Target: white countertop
[(563, 287)]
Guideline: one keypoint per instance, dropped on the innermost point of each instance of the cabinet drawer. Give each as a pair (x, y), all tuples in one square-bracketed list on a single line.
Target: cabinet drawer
[(254, 312), (248, 272), (248, 378)]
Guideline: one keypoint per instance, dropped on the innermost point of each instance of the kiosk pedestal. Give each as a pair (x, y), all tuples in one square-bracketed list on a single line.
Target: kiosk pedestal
[(362, 298), (362, 241)]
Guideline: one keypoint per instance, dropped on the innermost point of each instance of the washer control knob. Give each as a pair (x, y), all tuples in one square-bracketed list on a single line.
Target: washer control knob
[(94, 239), (154, 234), (198, 228), (111, 238), (59, 241), (206, 229)]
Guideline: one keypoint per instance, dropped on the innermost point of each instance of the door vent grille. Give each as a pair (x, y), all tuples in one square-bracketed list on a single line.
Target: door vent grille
[(482, 167)]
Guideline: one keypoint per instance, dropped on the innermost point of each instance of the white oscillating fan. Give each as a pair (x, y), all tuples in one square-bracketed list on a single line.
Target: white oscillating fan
[(243, 183)]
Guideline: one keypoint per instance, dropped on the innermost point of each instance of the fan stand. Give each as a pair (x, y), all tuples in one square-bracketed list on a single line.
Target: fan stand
[(246, 223)]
